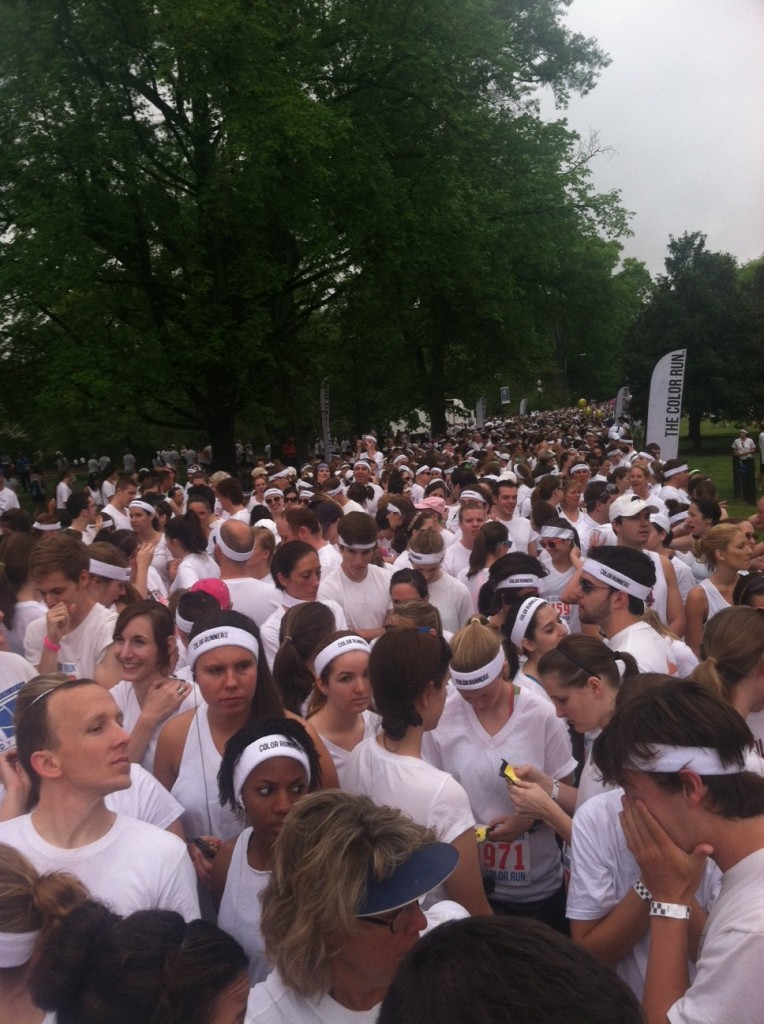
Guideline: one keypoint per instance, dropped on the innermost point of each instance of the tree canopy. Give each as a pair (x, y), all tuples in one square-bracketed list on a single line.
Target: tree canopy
[(205, 208), (705, 303)]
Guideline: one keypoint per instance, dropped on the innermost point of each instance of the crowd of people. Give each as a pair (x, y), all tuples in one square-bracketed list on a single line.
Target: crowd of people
[(464, 728)]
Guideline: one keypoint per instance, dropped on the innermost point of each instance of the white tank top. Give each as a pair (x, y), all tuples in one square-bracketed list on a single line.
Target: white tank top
[(196, 787), (716, 603), (239, 913)]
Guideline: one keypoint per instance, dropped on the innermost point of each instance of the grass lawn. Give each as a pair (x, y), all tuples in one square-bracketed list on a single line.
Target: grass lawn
[(716, 460)]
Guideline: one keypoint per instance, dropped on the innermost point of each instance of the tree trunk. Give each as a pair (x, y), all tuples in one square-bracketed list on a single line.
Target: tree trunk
[(694, 431)]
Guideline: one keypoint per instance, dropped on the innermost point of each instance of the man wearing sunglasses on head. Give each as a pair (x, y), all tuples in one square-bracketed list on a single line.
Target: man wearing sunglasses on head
[(613, 586)]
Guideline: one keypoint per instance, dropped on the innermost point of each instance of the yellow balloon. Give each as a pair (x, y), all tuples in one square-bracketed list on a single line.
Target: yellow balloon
[(581, 403), (598, 414), (588, 411)]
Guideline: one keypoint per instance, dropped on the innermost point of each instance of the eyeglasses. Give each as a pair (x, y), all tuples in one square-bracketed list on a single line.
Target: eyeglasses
[(397, 922), (549, 543), (273, 501), (291, 501), (587, 587)]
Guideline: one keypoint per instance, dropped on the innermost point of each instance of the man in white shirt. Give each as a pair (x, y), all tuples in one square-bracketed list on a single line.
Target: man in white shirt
[(503, 511), (234, 546), (360, 588), (72, 745), (472, 513), (8, 497), (681, 755), (614, 584), (298, 523), (76, 633), (124, 493)]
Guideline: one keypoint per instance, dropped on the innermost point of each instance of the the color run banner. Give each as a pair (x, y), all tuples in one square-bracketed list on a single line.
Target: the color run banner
[(664, 414), (523, 406)]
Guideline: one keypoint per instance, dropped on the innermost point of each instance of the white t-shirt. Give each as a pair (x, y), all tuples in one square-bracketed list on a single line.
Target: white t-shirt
[(365, 604), (452, 599), (520, 532), (456, 558), (256, 599), (23, 613), (329, 557), (14, 672), (529, 868), (429, 796), (730, 953), (603, 871), (193, 567), (81, 649), (146, 799), (134, 866), (270, 629), (473, 584), (121, 519), (551, 588), (271, 1002), (648, 648)]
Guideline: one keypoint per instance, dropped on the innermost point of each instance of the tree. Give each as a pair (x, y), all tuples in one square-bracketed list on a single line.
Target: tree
[(696, 305), (204, 206)]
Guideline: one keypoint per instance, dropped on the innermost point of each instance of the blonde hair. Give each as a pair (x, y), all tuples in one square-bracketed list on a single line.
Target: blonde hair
[(427, 542), (717, 539), (474, 646), (732, 646), (330, 843), (406, 614)]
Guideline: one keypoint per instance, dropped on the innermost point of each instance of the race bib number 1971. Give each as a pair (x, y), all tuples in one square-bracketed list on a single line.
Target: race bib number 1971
[(507, 863)]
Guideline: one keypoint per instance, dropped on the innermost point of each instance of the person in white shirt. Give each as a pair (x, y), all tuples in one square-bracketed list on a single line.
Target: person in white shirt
[(298, 523), (471, 517), (611, 591), (450, 596), (124, 493), (504, 510), (680, 753), (73, 747), (360, 588), (233, 548)]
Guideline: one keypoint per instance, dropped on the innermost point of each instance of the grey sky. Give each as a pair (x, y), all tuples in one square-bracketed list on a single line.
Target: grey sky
[(682, 106)]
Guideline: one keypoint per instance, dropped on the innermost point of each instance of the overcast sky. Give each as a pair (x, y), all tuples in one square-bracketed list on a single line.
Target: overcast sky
[(682, 106)]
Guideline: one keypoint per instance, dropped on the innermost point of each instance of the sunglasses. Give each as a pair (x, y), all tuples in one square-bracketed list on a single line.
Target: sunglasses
[(587, 587)]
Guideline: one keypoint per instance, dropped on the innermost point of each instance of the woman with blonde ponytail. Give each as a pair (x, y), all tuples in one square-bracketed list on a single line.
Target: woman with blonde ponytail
[(31, 906), (726, 552), (487, 720), (733, 664)]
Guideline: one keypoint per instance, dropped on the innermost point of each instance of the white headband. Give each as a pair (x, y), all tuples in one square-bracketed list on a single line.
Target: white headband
[(434, 558), (186, 625), (472, 496), (678, 517), (479, 678), (333, 493), (16, 948), (343, 645), (617, 580), (527, 610), (110, 572), (517, 580), (684, 468), (393, 508), (144, 506), (220, 636), (399, 458), (363, 463), (423, 469), (580, 467), (235, 556), (282, 473), (46, 527), (703, 760), (273, 492), (356, 547), (264, 749), (565, 533)]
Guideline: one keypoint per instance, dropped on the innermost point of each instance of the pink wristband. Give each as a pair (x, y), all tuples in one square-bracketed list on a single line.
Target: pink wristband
[(50, 645)]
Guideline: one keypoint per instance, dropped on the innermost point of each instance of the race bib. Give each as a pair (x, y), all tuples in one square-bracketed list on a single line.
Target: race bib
[(507, 863)]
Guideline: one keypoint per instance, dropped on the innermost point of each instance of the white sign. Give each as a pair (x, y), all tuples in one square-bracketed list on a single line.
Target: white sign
[(664, 414)]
